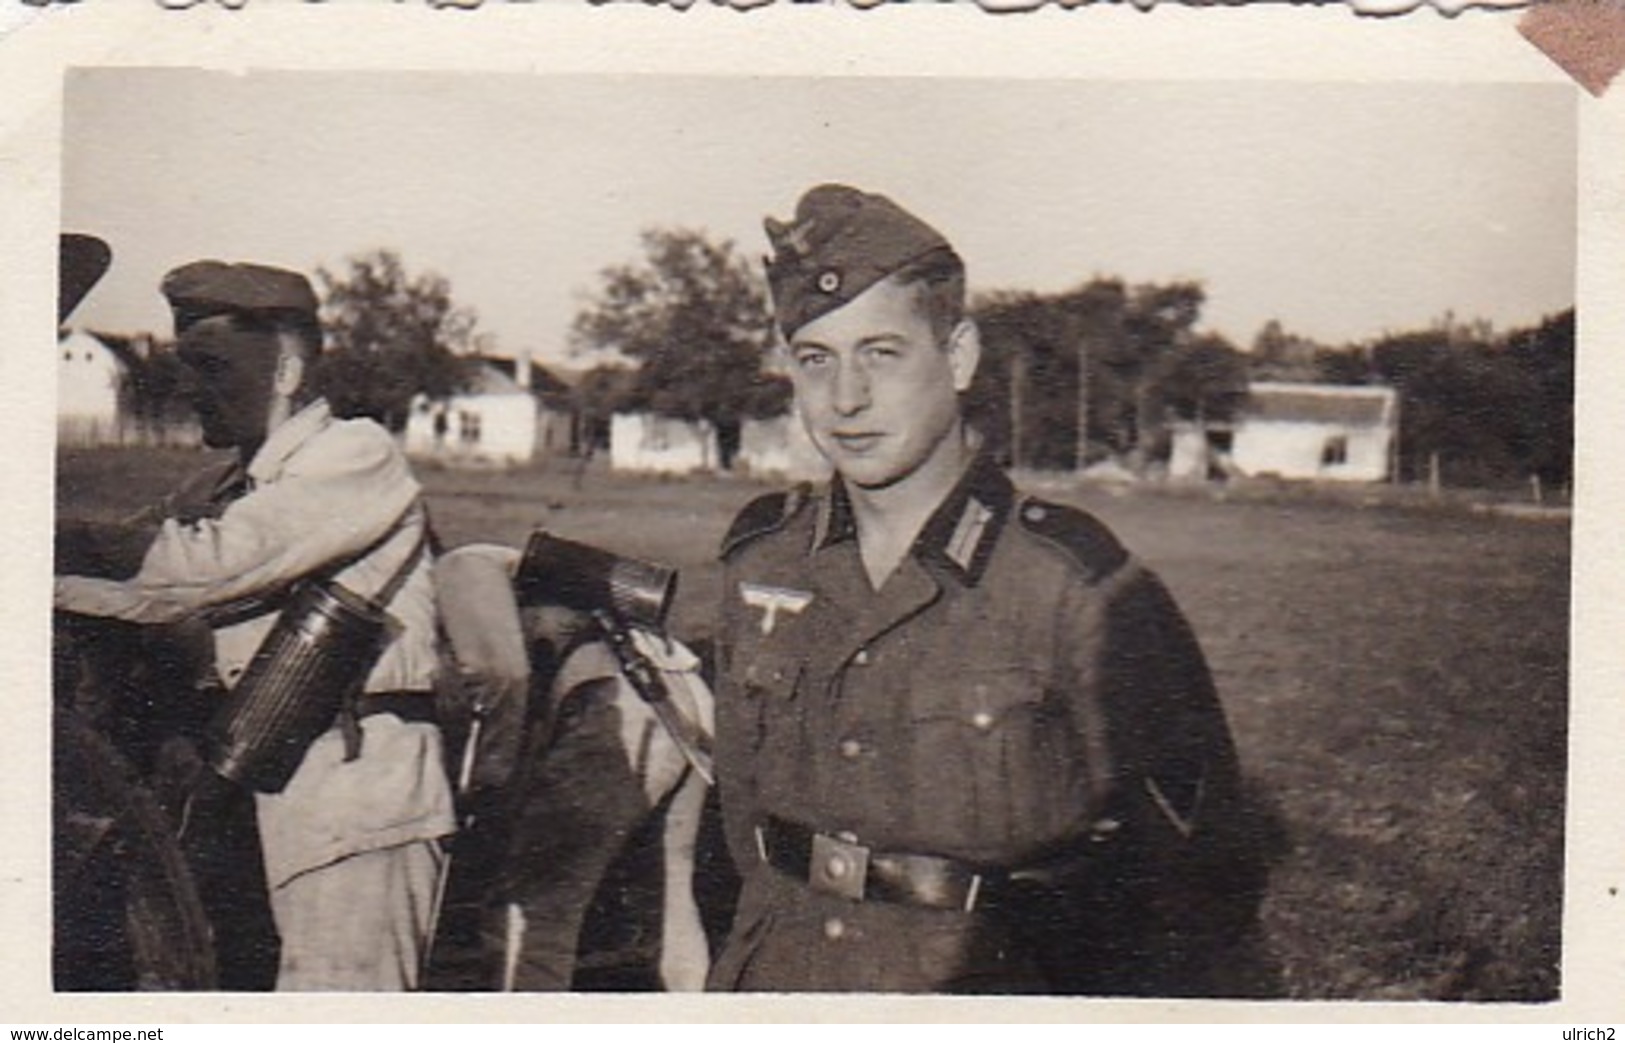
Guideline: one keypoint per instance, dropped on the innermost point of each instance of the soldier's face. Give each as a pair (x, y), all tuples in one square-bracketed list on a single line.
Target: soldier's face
[(876, 389), (233, 381)]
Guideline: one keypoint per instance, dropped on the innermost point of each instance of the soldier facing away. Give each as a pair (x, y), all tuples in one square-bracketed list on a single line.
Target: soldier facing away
[(966, 742), (350, 841)]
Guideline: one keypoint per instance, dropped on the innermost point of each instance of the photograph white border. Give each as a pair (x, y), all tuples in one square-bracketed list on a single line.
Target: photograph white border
[(1273, 42)]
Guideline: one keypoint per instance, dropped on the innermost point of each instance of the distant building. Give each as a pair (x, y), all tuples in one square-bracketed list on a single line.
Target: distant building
[(776, 448), (779, 448), (512, 412), (90, 377), (113, 389), (1324, 432), (644, 442)]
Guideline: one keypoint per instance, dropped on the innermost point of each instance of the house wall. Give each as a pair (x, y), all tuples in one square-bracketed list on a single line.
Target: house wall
[(779, 448), (496, 428), (87, 385), (1296, 450), (1187, 455), (660, 445), (554, 432)]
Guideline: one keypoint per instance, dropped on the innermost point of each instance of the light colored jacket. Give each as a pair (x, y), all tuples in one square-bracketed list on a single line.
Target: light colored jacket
[(323, 492)]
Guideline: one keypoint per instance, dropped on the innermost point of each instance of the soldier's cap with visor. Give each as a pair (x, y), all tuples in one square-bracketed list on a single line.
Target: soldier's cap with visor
[(204, 289), (841, 242)]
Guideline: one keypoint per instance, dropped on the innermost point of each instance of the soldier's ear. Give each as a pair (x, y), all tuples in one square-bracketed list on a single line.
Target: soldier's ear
[(964, 349), (290, 369)]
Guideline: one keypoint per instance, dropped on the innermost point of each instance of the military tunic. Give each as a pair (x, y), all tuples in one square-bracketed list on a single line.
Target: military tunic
[(1019, 693)]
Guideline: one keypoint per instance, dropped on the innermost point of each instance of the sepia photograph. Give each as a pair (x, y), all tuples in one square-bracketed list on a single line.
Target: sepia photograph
[(572, 514), (797, 534)]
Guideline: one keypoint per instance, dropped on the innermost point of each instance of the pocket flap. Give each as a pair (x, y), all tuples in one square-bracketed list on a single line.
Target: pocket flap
[(980, 696)]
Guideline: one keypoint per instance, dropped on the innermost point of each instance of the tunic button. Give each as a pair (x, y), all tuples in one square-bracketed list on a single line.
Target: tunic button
[(1035, 513), (862, 658), (834, 928), (850, 748), (982, 719), (1102, 829), (837, 867)]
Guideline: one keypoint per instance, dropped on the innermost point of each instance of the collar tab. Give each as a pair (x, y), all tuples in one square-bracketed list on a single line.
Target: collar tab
[(961, 535)]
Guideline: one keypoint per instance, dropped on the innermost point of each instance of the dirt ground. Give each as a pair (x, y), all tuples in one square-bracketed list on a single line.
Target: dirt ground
[(1396, 679)]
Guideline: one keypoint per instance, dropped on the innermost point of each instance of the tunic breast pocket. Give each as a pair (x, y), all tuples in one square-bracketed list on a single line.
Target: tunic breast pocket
[(770, 679), (990, 734), (770, 672)]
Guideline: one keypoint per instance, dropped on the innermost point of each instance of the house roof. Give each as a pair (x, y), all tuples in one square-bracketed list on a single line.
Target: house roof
[(543, 381), (1346, 405), (80, 338), (490, 380)]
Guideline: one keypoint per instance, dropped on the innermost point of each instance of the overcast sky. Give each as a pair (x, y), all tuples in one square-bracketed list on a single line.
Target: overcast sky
[(1341, 209)]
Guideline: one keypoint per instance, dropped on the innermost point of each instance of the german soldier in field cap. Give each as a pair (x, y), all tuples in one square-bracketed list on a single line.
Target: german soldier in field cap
[(966, 742), (349, 841)]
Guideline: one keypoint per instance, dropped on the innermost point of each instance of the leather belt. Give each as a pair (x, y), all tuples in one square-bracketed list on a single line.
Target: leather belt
[(408, 706), (838, 865), (413, 707)]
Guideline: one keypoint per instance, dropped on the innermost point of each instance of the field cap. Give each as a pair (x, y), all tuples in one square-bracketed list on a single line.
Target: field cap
[(205, 288), (841, 242)]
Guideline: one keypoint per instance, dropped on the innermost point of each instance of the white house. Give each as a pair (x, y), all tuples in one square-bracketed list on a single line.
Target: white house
[(779, 448), (494, 420), (661, 445), (89, 375), (1327, 432)]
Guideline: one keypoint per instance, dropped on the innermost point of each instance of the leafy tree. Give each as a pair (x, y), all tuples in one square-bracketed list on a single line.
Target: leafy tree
[(391, 336), (1350, 365), (1158, 322), (1024, 397), (1129, 353), (602, 392), (1283, 356), (1544, 356), (1202, 379), (153, 388), (693, 318), (1497, 409)]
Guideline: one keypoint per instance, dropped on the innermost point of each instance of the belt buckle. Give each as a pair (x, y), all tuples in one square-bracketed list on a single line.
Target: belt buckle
[(838, 867)]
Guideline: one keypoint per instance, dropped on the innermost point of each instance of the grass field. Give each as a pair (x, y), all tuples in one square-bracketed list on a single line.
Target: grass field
[(1396, 678)]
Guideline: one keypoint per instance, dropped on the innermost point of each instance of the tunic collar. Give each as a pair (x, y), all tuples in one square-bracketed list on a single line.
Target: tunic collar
[(961, 533), (287, 439)]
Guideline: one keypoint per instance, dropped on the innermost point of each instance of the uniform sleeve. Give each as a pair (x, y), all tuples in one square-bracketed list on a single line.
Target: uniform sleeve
[(336, 498), (115, 550), (110, 550), (1172, 870), (1168, 740)]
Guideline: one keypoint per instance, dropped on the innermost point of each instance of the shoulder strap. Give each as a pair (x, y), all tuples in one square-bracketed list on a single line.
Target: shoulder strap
[(1078, 534), (763, 515), (255, 604), (397, 580)]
